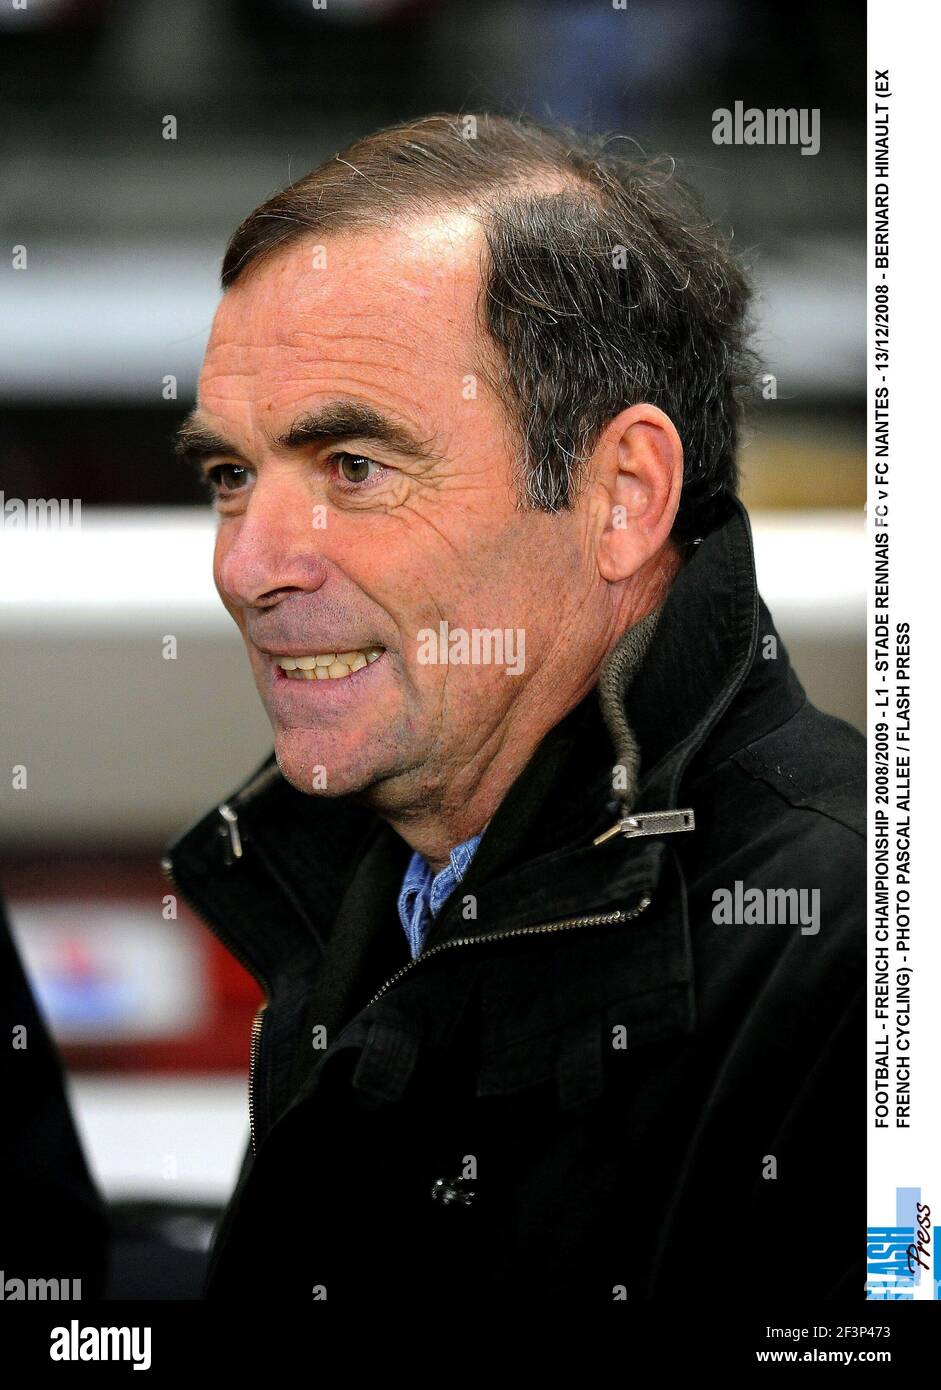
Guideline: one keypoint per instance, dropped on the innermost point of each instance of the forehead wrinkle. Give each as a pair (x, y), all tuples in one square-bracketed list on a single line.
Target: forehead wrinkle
[(373, 352), (423, 331), (427, 293), (327, 346), (425, 260), (315, 347), (305, 370)]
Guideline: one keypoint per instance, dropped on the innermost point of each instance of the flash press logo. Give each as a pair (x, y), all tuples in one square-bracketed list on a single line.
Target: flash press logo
[(739, 906), (481, 646)]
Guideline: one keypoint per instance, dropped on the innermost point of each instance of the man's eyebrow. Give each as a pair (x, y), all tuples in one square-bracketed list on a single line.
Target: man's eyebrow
[(354, 420), (196, 441)]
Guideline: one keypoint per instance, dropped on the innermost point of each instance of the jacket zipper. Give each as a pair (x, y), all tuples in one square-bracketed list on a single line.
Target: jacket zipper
[(258, 1023), (166, 865), (682, 820), (650, 823), (599, 919)]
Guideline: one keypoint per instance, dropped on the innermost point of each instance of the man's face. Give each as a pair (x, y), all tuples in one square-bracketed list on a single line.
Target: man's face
[(337, 542)]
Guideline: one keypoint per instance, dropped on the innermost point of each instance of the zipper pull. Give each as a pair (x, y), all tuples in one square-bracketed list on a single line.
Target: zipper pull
[(650, 823), (234, 846)]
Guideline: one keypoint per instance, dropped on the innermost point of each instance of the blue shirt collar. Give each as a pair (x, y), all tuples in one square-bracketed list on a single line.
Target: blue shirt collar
[(423, 892)]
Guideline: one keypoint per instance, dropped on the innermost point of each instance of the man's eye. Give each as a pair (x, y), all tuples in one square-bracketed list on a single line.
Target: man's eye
[(227, 477), (354, 468)]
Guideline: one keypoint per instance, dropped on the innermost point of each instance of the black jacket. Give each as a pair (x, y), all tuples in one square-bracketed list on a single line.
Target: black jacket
[(54, 1224), (592, 1090)]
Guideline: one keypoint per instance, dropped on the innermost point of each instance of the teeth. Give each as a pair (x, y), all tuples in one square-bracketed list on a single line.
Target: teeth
[(328, 665)]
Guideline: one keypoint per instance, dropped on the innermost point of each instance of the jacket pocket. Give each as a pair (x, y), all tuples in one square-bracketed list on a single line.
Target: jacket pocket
[(576, 1057)]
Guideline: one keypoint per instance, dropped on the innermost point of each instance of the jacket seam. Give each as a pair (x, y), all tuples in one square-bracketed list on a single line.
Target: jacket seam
[(756, 776), (733, 753)]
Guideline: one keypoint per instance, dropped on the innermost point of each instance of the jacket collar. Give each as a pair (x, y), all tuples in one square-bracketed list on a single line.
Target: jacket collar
[(705, 648), (301, 857)]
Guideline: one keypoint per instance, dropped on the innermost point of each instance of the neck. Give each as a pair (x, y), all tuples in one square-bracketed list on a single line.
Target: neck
[(443, 808)]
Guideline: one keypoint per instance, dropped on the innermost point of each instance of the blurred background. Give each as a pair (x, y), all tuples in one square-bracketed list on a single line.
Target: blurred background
[(114, 236)]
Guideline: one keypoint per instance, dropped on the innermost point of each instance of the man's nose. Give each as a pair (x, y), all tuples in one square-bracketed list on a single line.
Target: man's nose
[(274, 547)]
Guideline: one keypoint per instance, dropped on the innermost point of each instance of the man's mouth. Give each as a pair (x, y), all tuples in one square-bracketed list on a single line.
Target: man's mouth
[(324, 666)]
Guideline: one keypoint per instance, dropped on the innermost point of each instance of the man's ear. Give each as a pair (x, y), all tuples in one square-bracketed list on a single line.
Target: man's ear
[(638, 467)]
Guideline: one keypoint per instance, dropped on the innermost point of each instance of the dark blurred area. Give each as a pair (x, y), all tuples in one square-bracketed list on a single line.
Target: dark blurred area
[(125, 228)]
